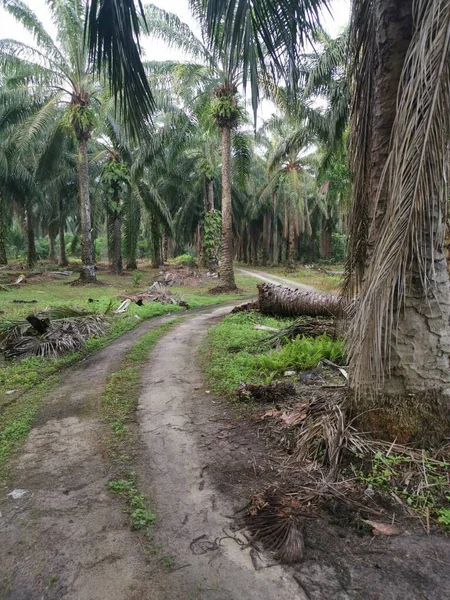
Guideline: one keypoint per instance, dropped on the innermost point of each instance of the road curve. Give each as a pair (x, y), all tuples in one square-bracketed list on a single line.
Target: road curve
[(269, 278)]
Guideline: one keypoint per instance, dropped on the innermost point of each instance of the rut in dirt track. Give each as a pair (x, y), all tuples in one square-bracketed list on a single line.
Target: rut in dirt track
[(183, 445), (68, 537)]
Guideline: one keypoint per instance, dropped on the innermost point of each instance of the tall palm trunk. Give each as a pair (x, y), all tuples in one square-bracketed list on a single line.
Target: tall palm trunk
[(117, 236), (209, 195), (31, 241), (87, 273), (62, 261), (3, 257), (291, 250), (226, 266), (52, 239), (400, 336), (275, 249)]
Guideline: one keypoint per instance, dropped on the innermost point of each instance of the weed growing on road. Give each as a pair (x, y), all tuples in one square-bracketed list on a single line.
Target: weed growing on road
[(140, 516)]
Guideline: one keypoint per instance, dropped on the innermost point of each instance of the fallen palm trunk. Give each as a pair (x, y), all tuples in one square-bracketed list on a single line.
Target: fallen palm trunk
[(287, 302)]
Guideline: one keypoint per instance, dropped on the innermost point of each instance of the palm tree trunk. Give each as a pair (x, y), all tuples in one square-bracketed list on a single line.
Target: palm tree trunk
[(291, 250), (276, 253), (210, 195), (3, 257), (156, 244), (31, 242), (117, 239), (51, 238), (226, 267), (265, 241), (325, 240), (287, 302), (87, 273), (393, 26), (63, 262)]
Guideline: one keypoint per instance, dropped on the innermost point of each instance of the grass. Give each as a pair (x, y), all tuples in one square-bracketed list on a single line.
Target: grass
[(424, 491), (20, 376), (235, 352)]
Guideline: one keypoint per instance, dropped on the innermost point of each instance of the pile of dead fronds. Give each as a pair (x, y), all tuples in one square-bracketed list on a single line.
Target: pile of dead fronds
[(332, 462), (308, 327), (155, 293), (52, 332)]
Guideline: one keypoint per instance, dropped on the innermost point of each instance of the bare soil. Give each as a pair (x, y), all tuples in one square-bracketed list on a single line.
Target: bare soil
[(69, 538)]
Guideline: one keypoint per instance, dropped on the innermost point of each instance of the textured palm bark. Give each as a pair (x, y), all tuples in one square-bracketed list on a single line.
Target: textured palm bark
[(326, 248), (87, 273), (287, 302), (418, 350), (420, 345), (31, 242), (291, 249), (275, 241), (394, 27), (3, 257), (209, 195), (156, 244), (117, 243), (52, 245), (62, 259), (226, 266)]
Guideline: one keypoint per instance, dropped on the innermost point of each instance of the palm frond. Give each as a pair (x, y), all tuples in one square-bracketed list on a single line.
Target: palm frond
[(112, 28)]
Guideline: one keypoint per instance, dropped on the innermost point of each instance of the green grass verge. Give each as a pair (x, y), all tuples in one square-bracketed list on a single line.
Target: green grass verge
[(235, 352)]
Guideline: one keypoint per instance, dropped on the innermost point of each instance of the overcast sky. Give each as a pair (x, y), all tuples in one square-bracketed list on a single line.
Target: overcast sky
[(9, 28)]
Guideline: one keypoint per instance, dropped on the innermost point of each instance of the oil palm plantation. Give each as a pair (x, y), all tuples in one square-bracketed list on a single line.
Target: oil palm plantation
[(399, 139), (60, 72)]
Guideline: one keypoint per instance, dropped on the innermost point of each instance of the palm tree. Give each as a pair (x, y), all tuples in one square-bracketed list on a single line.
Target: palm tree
[(399, 339), (401, 118), (61, 71), (223, 108)]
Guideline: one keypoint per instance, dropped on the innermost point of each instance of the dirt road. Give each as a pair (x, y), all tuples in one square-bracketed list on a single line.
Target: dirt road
[(181, 429), (68, 538), (270, 278)]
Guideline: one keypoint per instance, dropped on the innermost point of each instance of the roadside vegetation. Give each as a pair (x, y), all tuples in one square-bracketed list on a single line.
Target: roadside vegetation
[(237, 353)]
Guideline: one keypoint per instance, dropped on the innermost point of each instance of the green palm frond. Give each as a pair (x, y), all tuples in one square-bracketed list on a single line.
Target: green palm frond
[(169, 28), (112, 28), (263, 38)]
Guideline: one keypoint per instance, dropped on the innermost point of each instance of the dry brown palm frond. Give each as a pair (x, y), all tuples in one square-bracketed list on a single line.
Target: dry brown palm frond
[(51, 333), (275, 520), (362, 42), (415, 178)]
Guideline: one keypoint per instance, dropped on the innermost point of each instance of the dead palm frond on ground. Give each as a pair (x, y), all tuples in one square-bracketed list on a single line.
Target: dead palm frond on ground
[(50, 333)]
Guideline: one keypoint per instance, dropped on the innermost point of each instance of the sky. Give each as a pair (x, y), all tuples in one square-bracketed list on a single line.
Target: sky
[(156, 50)]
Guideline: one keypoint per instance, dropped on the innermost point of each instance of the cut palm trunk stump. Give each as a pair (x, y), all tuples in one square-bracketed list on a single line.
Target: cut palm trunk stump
[(287, 302)]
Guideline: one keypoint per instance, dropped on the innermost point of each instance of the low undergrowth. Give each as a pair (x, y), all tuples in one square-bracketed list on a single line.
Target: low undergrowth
[(418, 479), (236, 352)]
